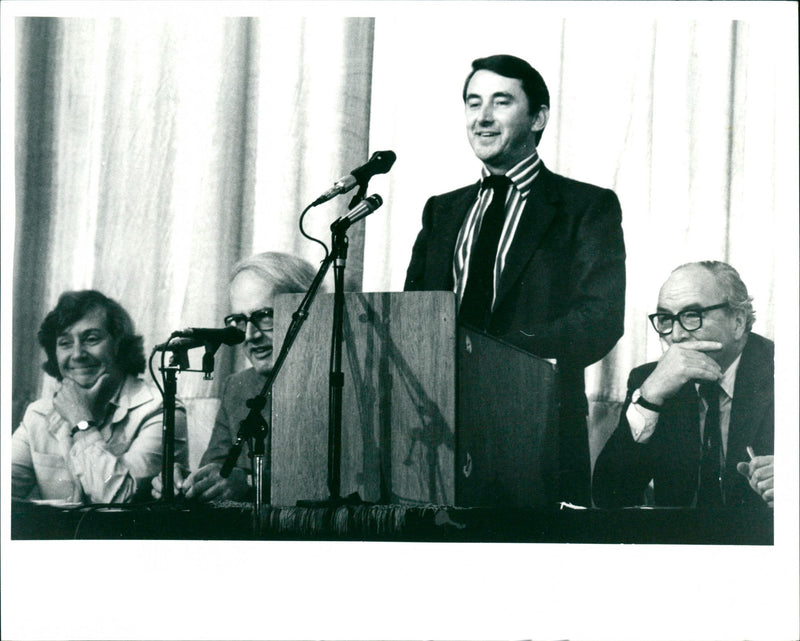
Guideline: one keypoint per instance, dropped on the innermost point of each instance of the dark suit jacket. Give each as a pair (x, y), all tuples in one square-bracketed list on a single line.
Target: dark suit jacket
[(671, 457), (237, 389), (562, 292)]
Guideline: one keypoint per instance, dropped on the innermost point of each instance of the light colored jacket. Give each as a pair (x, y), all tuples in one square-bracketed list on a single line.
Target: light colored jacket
[(107, 464)]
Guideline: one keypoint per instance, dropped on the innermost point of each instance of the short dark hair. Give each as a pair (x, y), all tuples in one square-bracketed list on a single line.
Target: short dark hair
[(512, 67), (74, 305)]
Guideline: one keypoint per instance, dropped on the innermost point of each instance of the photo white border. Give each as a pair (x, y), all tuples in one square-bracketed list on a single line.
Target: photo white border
[(223, 590)]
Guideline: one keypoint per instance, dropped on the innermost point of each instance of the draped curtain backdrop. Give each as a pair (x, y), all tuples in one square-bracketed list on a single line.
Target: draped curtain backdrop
[(151, 154), (693, 123)]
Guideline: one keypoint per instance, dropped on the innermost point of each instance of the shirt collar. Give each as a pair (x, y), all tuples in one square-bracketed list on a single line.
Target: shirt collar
[(522, 174), (728, 379), (131, 393)]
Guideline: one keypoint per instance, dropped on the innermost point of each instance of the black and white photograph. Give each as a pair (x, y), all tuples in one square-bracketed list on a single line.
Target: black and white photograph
[(400, 320)]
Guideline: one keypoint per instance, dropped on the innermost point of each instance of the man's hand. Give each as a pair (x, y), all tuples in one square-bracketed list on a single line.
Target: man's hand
[(76, 403), (681, 363), (179, 480), (760, 473), (207, 485)]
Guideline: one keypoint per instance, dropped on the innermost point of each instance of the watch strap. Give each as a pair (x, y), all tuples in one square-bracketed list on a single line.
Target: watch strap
[(82, 426), (640, 400)]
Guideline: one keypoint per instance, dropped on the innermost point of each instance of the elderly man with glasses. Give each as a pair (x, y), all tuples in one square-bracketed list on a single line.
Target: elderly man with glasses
[(699, 423), (254, 283)]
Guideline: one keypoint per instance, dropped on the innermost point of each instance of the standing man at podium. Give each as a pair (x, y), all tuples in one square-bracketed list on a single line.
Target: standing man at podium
[(535, 259)]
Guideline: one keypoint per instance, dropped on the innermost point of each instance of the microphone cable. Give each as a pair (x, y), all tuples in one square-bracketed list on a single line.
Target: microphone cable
[(311, 238)]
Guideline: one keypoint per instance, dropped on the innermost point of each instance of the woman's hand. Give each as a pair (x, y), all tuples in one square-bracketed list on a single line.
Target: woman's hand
[(76, 403)]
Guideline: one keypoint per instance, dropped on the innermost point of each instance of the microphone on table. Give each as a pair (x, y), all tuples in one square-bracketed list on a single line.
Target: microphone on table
[(191, 337), (199, 336), (380, 163)]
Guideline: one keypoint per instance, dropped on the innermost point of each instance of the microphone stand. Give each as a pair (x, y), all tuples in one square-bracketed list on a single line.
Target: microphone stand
[(168, 432), (339, 245), (179, 361), (254, 426)]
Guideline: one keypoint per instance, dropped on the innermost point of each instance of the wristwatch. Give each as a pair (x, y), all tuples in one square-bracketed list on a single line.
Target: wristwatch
[(638, 399), (82, 426)]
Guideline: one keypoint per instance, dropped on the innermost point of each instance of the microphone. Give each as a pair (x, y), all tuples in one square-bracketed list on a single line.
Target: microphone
[(199, 336), (362, 210), (224, 336), (380, 163)]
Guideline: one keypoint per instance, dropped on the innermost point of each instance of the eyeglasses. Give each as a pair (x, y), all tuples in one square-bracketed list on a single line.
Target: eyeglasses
[(690, 319), (261, 318)]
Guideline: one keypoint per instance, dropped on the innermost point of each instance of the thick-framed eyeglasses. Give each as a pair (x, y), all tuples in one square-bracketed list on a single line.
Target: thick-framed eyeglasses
[(690, 319), (261, 318)]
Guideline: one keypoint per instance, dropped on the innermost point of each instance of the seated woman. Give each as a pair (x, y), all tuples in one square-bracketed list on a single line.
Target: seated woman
[(98, 439)]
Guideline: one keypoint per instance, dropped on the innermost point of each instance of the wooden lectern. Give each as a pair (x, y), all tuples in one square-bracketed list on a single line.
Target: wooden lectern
[(431, 415), (507, 425)]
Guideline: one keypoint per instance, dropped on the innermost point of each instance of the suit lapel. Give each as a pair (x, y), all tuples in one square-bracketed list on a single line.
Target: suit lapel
[(450, 215), (749, 398), (540, 210)]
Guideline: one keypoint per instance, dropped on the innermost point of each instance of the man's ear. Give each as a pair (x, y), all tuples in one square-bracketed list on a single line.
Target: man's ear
[(740, 323), (541, 118)]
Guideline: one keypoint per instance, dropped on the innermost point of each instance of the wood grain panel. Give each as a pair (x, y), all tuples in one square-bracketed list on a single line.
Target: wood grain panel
[(398, 425)]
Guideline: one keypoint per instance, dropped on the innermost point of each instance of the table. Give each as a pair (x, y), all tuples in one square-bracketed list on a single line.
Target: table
[(429, 523)]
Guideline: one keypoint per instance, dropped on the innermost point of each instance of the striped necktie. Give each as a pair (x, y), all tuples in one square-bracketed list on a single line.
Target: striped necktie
[(477, 300)]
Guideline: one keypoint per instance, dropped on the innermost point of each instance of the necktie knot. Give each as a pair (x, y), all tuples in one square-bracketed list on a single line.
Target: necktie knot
[(709, 391), (496, 182)]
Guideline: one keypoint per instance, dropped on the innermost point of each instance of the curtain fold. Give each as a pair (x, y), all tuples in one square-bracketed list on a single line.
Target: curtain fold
[(35, 117), (153, 153)]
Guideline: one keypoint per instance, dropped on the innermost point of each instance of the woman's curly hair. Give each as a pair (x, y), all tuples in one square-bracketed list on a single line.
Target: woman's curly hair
[(74, 305)]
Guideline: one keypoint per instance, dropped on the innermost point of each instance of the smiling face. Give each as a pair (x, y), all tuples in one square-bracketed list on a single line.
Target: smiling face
[(694, 287), (250, 292), (500, 127), (86, 350)]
